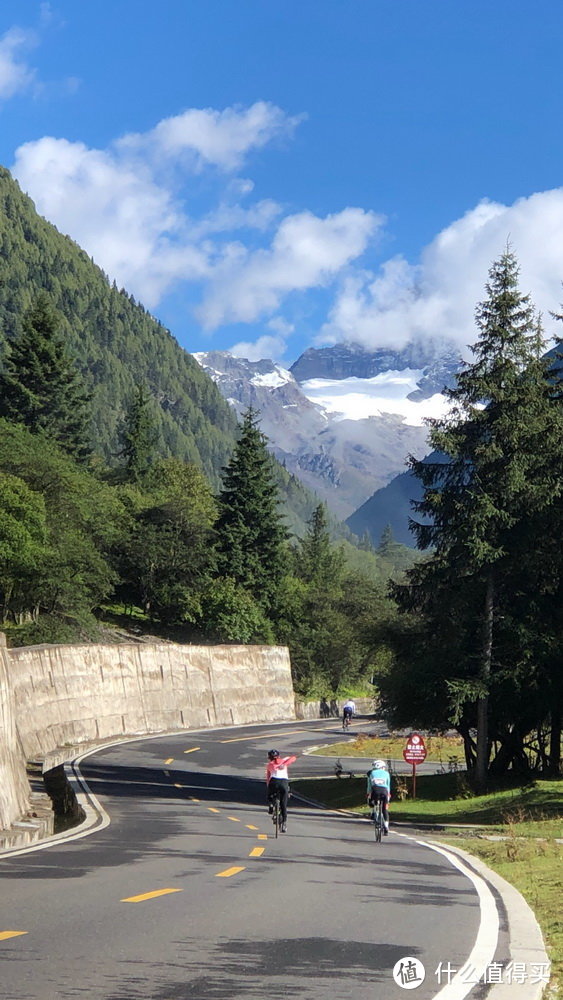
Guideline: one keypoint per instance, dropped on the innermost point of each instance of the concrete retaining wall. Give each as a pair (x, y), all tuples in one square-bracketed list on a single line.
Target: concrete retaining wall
[(56, 695), (14, 786)]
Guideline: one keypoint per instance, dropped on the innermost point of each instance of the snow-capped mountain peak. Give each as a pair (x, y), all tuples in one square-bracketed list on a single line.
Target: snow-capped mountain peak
[(342, 419)]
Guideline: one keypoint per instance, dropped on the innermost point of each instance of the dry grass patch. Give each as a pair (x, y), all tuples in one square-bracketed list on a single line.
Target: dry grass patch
[(447, 750)]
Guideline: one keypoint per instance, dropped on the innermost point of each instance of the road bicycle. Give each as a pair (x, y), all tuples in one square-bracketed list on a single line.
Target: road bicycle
[(346, 721), (276, 814), (377, 817)]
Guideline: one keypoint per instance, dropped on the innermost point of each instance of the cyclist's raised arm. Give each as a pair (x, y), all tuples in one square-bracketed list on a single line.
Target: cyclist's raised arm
[(289, 760)]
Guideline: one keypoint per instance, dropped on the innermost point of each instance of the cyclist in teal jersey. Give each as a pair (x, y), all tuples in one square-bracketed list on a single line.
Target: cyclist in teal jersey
[(379, 787)]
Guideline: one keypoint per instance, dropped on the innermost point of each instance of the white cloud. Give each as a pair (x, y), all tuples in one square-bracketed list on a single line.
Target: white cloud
[(281, 326), (120, 216), (227, 217), (266, 347), (15, 74), (306, 252), (123, 204), (222, 138), (269, 346), (437, 297)]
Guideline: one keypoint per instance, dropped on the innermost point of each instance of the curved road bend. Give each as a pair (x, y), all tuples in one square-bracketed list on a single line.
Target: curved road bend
[(186, 894)]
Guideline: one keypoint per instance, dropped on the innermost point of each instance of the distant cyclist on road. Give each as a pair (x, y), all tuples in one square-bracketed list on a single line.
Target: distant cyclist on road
[(349, 710), (277, 781), (379, 787)]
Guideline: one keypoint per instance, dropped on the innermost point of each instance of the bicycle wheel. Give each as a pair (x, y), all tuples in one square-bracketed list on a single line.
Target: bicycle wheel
[(378, 821), (277, 814)]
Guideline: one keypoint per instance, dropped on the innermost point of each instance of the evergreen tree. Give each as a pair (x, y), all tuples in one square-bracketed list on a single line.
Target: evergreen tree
[(167, 557), (365, 543), (23, 534), (83, 519), (250, 530), (138, 435), (41, 386), (499, 439), (323, 613), (230, 614), (319, 563)]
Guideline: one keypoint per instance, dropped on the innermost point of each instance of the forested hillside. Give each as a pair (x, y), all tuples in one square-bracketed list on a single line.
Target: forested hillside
[(117, 343)]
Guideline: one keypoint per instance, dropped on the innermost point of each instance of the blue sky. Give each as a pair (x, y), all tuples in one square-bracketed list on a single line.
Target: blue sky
[(268, 175)]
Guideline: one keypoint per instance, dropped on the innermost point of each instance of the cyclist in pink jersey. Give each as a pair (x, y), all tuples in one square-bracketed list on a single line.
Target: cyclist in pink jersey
[(277, 782)]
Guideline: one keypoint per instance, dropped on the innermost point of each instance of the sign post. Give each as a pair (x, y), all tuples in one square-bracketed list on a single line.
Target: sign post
[(414, 753)]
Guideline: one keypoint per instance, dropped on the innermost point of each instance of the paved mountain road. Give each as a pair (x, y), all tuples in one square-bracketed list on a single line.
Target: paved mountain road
[(186, 894)]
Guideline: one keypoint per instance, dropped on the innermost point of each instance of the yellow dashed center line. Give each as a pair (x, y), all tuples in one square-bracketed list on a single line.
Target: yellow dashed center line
[(8, 934), (234, 819), (262, 836), (149, 895), (192, 750), (291, 732), (256, 852), (228, 872), (250, 827), (177, 786), (268, 736), (213, 810), (169, 760), (193, 799)]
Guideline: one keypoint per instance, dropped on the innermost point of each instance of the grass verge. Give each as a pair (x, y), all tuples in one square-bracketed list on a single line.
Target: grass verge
[(536, 807), (440, 749), (534, 868)]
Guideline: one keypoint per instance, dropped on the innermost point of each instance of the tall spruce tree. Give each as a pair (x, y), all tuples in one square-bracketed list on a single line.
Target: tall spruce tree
[(41, 386), (250, 530), (138, 435), (319, 562), (499, 439)]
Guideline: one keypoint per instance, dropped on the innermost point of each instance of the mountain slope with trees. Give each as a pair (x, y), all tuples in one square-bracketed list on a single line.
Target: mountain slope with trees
[(116, 342), (120, 350)]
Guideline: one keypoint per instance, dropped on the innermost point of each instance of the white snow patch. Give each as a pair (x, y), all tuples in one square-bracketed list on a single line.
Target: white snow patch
[(271, 380), (213, 373), (359, 398)]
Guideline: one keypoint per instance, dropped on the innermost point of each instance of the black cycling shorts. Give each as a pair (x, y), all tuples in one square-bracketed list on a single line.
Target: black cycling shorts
[(379, 792)]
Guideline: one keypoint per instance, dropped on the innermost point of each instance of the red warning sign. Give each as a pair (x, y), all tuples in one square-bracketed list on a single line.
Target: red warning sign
[(415, 751)]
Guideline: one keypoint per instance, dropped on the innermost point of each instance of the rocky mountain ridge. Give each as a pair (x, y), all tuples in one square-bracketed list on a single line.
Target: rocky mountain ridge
[(438, 359), (344, 458)]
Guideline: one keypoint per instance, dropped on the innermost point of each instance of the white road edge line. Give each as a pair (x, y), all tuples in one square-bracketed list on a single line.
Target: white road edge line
[(96, 817), (486, 942), (525, 939)]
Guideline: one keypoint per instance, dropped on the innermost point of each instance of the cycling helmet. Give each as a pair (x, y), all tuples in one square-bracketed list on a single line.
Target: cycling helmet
[(379, 765), (272, 754)]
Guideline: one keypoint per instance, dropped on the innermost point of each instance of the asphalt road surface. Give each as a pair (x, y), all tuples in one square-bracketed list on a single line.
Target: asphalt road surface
[(186, 893)]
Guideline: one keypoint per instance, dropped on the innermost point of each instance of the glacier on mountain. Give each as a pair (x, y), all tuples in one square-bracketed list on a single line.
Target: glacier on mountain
[(359, 398)]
